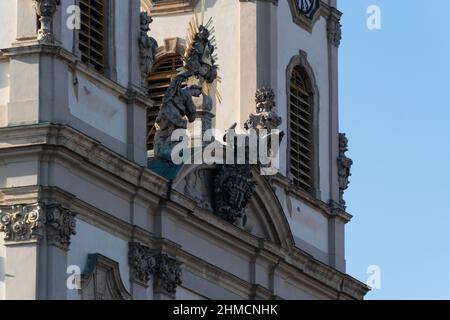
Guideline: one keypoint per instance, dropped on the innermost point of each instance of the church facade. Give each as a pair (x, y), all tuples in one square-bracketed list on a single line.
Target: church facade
[(84, 211)]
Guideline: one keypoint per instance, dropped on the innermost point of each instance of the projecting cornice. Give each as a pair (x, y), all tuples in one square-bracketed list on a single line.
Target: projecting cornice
[(70, 147)]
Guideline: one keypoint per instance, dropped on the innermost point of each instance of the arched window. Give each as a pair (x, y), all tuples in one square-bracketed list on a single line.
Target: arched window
[(164, 70), (301, 127)]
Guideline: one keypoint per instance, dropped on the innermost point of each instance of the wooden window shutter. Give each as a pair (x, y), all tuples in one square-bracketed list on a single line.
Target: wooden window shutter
[(301, 132), (164, 70), (93, 35)]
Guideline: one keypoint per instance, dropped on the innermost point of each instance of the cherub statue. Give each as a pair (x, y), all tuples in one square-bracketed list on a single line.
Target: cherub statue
[(200, 59)]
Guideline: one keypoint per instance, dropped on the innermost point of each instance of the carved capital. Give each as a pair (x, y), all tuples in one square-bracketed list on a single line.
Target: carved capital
[(60, 225), (31, 222), (141, 262), (45, 9), (167, 274), (22, 222)]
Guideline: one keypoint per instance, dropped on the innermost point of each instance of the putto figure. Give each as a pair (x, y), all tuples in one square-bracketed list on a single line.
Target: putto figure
[(200, 58)]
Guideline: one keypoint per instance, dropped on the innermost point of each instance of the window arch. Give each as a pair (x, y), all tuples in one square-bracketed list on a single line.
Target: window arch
[(303, 105), (159, 80)]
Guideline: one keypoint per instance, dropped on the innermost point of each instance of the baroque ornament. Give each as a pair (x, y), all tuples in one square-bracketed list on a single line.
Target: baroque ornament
[(178, 107), (234, 187), (45, 9), (344, 167), (264, 117), (141, 262), (31, 222), (167, 274), (147, 46), (334, 29)]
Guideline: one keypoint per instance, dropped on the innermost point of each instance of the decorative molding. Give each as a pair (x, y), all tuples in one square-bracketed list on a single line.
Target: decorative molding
[(166, 7), (101, 280), (76, 66), (71, 145), (45, 9), (307, 19), (147, 47), (167, 274), (334, 28), (344, 168), (234, 187), (145, 262), (142, 263), (264, 117), (31, 222)]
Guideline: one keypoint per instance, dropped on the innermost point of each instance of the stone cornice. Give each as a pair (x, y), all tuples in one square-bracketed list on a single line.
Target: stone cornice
[(127, 95), (327, 209), (71, 145)]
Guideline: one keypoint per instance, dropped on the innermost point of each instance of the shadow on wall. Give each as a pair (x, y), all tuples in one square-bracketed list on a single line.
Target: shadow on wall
[(209, 3), (2, 269), (4, 76)]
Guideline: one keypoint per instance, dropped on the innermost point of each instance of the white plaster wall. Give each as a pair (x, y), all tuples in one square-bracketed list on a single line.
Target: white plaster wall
[(306, 223), (226, 21), (122, 42), (4, 92), (67, 35), (2, 269), (8, 17), (18, 173), (290, 40), (89, 189), (90, 240), (185, 294), (98, 107)]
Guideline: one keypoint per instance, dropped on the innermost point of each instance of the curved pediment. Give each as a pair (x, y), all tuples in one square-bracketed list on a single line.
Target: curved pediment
[(262, 216)]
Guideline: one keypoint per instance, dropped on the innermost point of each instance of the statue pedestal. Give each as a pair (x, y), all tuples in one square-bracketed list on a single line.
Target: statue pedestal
[(164, 168)]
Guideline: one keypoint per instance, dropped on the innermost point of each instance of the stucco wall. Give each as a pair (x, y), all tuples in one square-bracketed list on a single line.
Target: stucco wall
[(2, 269), (8, 17), (98, 107), (290, 40), (4, 92), (91, 240)]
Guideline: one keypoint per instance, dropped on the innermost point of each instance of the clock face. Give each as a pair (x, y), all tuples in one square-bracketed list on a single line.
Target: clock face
[(306, 6)]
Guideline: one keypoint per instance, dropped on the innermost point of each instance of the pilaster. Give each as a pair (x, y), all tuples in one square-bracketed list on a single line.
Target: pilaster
[(37, 238)]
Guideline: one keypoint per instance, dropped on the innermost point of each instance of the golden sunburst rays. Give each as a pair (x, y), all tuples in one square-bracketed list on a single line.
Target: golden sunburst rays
[(193, 29)]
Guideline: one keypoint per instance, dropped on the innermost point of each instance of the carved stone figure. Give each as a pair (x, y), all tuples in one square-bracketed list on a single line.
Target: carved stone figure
[(200, 60), (264, 117), (31, 222), (147, 46), (234, 187), (344, 167), (167, 274), (45, 9), (176, 110)]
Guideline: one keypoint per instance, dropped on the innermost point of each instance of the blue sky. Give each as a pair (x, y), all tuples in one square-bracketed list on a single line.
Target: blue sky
[(394, 102)]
